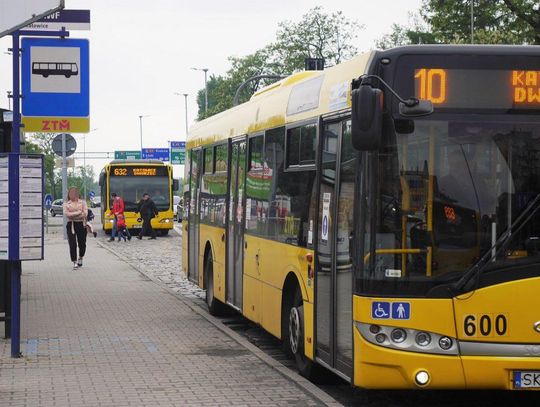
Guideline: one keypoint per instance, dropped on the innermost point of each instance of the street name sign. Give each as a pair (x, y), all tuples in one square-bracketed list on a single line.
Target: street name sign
[(178, 152), (127, 155), (18, 14), (55, 84), (70, 20), (155, 154)]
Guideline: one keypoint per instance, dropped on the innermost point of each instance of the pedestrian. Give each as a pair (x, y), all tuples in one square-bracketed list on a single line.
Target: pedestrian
[(76, 211), (148, 210), (121, 227), (117, 208), (89, 228)]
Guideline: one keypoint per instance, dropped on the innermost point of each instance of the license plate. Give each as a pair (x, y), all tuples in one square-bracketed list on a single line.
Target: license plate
[(527, 379)]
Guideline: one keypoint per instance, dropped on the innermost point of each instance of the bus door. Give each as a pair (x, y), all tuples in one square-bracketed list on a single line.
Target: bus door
[(193, 219), (235, 223), (334, 273)]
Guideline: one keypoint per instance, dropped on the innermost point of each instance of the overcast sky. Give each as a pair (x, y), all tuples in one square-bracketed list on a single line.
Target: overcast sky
[(141, 53)]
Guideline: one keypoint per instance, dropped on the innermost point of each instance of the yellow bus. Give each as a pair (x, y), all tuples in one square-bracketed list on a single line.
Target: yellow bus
[(380, 216), (130, 179)]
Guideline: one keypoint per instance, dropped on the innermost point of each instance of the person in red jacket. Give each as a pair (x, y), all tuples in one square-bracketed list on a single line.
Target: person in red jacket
[(117, 209)]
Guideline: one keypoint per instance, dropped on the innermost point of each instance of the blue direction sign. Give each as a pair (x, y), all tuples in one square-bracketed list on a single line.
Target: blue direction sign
[(55, 84), (178, 152), (155, 154), (92, 194), (48, 201)]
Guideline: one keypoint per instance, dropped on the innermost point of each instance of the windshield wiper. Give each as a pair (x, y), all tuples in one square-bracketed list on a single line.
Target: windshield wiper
[(502, 243)]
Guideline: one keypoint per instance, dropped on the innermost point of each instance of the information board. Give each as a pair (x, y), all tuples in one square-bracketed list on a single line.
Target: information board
[(26, 194), (161, 154), (178, 152)]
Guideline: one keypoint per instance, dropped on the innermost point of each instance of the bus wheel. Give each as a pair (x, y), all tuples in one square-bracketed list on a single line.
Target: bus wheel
[(305, 366), (215, 307), (164, 232)]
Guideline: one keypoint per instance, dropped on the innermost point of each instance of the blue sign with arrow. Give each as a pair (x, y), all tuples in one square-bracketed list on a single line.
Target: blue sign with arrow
[(48, 201)]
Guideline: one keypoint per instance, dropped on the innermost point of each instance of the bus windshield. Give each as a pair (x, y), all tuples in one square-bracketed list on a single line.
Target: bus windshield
[(131, 189), (446, 193)]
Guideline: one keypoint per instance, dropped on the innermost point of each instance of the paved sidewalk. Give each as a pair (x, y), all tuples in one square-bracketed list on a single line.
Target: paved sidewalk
[(107, 336)]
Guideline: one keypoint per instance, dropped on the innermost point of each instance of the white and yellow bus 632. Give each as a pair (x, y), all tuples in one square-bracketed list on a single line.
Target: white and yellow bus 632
[(130, 179)]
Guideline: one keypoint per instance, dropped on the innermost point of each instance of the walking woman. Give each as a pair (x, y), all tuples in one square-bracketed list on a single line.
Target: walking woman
[(76, 211)]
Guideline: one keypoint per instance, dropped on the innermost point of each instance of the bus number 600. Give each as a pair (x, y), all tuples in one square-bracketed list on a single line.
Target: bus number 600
[(485, 325)]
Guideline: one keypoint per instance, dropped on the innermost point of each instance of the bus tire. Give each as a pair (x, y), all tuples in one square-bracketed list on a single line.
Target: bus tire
[(215, 307), (306, 367), (164, 232)]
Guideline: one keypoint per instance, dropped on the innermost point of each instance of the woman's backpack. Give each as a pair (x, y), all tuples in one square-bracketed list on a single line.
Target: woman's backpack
[(90, 217)]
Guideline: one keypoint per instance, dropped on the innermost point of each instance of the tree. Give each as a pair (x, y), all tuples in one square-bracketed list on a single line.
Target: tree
[(415, 32), (449, 21), (42, 143), (317, 34)]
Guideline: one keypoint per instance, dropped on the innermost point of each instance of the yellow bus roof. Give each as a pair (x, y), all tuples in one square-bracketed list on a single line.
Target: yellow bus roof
[(281, 103)]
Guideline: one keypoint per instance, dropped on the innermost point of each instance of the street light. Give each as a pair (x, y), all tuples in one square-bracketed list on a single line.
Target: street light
[(205, 70), (140, 127), (185, 103)]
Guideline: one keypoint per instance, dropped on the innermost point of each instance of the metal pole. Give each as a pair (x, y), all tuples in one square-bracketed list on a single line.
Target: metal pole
[(205, 90), (140, 129), (472, 21), (185, 104), (15, 266), (64, 182), (9, 99)]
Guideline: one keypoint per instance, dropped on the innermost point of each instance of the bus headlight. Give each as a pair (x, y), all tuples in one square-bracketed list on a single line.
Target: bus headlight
[(423, 339), (407, 339), (421, 378), (398, 335), (165, 220)]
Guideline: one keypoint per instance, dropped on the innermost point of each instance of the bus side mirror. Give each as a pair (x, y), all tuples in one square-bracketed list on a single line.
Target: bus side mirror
[(101, 178), (367, 106), (175, 185)]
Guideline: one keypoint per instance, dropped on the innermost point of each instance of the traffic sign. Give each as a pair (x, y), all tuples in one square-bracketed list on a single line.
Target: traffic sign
[(71, 145), (55, 83), (178, 152), (48, 201), (127, 155), (92, 194), (67, 19), (17, 14), (155, 154)]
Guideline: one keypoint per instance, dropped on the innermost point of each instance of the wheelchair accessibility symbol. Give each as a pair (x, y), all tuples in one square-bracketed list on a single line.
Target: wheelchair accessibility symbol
[(380, 310)]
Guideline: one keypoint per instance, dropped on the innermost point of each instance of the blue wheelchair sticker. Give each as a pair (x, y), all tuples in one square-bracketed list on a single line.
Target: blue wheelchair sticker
[(380, 310), (401, 310)]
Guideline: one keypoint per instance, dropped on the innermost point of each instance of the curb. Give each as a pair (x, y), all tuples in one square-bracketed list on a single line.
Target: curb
[(300, 381)]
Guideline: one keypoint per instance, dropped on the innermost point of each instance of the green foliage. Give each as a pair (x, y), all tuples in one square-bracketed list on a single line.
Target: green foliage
[(449, 21), (42, 143), (317, 34)]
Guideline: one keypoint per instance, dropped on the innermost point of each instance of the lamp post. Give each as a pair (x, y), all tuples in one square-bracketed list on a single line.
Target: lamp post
[(140, 128), (205, 70), (185, 95)]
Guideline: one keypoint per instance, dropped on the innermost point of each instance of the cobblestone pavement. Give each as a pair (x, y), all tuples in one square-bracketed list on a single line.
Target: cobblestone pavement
[(108, 336)]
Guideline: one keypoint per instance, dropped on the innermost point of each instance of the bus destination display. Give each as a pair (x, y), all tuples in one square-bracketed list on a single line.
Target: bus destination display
[(478, 88), (139, 171)]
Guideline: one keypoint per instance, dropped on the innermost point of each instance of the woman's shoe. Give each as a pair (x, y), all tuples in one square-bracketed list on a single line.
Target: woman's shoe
[(79, 262), (95, 234)]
